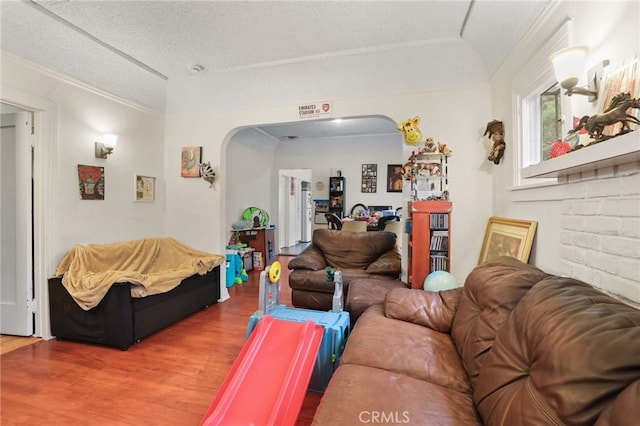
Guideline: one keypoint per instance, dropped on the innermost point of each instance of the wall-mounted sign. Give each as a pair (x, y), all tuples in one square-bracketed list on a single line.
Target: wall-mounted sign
[(314, 110)]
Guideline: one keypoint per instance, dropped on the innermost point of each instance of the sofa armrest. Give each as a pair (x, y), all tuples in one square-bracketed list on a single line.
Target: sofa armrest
[(430, 309), (310, 258), (388, 263)]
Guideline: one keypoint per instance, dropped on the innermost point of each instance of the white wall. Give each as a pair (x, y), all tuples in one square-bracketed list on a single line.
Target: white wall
[(456, 116), (250, 171), (82, 116), (610, 29), (321, 156)]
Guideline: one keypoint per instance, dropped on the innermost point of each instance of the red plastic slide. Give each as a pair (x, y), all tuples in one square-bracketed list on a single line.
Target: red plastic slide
[(267, 382)]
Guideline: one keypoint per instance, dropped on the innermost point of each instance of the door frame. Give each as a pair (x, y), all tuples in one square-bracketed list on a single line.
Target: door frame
[(17, 314), (45, 123), (286, 211)]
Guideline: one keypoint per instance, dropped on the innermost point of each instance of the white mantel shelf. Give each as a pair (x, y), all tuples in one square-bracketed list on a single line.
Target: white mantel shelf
[(612, 152)]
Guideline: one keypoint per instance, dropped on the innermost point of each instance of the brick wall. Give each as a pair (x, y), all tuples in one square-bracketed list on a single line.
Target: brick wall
[(600, 229)]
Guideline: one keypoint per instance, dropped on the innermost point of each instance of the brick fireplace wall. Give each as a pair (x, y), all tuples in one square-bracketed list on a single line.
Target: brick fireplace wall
[(600, 229)]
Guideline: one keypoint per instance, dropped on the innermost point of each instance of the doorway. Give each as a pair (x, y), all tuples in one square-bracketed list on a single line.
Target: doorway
[(41, 217), (16, 223), (293, 216), (265, 155)]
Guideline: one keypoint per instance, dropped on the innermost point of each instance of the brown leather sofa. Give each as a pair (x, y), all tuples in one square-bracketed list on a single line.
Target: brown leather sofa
[(514, 346), (356, 254)]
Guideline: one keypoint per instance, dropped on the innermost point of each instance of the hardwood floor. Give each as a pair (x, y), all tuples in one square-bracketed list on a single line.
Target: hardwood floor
[(294, 250), (10, 343), (170, 378)]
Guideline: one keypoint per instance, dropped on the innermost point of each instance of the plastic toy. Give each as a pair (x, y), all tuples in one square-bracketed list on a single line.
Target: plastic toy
[(412, 135), (234, 268), (329, 271), (338, 294), (559, 148), (269, 379), (439, 281), (269, 291)]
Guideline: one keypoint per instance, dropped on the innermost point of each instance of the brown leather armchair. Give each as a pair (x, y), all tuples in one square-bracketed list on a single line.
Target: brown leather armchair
[(356, 254)]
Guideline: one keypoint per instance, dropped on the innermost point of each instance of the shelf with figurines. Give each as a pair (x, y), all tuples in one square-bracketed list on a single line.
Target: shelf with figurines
[(427, 169)]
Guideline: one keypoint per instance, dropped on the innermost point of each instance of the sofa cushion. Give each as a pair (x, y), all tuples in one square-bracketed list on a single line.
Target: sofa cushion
[(562, 356), (366, 292), (490, 293), (431, 309), (388, 263), (356, 395), (303, 279), (311, 258), (624, 408), (405, 348)]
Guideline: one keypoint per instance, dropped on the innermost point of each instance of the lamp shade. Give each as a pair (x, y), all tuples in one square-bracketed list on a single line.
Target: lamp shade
[(568, 65), (110, 140)]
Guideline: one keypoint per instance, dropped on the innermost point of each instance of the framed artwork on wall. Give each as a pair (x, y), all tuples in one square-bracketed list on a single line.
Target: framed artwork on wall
[(191, 157), (91, 182), (145, 189), (508, 237), (394, 178), (369, 177)]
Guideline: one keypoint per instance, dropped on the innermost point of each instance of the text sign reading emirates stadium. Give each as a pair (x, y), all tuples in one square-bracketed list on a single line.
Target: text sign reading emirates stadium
[(314, 110)]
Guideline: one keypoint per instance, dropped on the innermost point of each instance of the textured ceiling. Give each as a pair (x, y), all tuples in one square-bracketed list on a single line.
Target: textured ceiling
[(135, 49)]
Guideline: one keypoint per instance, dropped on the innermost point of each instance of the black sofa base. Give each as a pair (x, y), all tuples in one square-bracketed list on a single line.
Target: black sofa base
[(121, 320)]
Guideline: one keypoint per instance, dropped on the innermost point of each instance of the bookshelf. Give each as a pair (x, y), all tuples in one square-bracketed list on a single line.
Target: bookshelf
[(429, 240), (336, 195)]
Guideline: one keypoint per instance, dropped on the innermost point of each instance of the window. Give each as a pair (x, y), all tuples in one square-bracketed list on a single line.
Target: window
[(539, 107), (550, 119)]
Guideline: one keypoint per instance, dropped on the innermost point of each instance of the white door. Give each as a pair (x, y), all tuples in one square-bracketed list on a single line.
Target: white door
[(16, 273)]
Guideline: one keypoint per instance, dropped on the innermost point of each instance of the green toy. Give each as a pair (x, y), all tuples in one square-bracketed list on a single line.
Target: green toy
[(330, 273)]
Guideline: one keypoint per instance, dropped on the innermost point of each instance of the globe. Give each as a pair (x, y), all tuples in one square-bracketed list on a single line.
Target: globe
[(440, 280)]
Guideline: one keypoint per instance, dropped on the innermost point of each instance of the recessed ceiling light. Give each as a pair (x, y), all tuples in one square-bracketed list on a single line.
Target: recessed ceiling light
[(195, 68)]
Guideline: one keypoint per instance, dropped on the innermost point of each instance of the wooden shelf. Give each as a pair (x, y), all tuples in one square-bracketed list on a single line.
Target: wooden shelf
[(612, 152), (428, 218), (336, 196), (262, 241)]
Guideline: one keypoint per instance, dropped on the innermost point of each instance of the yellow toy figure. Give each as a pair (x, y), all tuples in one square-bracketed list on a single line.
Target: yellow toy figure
[(412, 135)]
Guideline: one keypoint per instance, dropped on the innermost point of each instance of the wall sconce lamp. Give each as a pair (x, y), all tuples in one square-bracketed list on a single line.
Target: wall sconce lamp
[(105, 148), (568, 65)]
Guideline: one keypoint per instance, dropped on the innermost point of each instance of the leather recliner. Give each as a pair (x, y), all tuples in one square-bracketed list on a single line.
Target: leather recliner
[(356, 254)]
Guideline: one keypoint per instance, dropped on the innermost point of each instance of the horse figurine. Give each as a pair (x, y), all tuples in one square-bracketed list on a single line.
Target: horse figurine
[(615, 112)]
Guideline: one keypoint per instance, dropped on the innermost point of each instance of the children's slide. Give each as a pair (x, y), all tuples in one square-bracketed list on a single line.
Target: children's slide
[(268, 381)]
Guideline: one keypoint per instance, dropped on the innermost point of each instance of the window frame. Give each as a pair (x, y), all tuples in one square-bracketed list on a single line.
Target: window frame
[(536, 77)]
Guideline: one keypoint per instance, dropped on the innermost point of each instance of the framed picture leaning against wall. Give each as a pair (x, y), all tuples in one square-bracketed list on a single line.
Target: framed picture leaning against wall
[(508, 237)]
